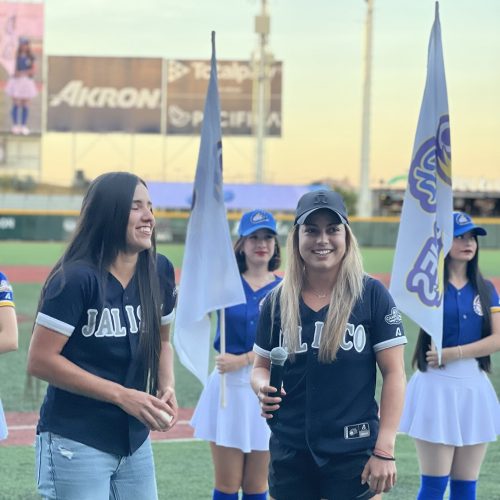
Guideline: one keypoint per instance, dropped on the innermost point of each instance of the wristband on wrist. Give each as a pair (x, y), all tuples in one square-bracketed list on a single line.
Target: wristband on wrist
[(383, 457)]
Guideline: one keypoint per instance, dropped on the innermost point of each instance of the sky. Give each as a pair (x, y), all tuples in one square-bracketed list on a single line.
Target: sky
[(321, 44)]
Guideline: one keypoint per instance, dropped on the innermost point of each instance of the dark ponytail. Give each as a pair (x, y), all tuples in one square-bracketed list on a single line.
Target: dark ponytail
[(149, 339), (483, 289)]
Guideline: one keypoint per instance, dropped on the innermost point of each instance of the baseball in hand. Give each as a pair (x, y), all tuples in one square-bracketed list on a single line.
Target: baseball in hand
[(165, 418)]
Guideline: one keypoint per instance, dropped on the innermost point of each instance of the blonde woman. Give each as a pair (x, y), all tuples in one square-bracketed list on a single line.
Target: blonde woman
[(337, 325)]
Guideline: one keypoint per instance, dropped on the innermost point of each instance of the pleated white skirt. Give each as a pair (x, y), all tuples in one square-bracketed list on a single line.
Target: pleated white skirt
[(455, 405), (237, 425), (21, 87)]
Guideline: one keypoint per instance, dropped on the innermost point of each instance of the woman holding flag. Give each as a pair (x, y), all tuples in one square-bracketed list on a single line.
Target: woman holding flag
[(451, 409), (238, 436)]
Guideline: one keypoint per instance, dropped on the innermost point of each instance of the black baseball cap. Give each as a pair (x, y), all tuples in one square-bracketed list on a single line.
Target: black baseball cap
[(316, 200)]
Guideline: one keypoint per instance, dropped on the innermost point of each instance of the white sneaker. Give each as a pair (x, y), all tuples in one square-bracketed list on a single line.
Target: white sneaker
[(16, 129), (25, 130)]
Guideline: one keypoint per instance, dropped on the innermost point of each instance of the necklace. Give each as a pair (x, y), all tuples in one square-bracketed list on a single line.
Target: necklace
[(318, 294), (256, 284)]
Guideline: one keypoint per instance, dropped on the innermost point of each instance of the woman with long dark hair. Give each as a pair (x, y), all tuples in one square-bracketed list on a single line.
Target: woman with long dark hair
[(451, 408), (238, 436), (337, 325), (101, 341)]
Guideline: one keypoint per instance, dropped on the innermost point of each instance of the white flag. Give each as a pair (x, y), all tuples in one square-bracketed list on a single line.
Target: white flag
[(210, 279), (426, 229)]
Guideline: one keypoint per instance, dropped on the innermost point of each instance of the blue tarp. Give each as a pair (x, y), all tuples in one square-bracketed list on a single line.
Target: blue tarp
[(178, 196)]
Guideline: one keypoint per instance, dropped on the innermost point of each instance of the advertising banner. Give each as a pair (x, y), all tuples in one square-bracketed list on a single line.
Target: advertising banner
[(187, 82), (104, 94), (117, 94)]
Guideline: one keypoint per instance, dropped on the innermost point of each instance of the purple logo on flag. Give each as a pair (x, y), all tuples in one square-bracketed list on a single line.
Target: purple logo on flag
[(423, 278), (432, 160), (443, 152)]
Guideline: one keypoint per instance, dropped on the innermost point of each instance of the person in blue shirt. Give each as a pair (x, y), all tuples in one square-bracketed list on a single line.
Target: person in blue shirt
[(451, 409), (238, 436), (8, 332), (8, 320), (21, 87), (329, 440), (101, 341)]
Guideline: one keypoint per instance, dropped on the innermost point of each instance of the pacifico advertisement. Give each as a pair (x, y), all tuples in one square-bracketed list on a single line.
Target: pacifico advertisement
[(187, 82)]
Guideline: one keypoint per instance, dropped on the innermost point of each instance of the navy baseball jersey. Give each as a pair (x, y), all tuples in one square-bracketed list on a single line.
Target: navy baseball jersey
[(330, 408), (463, 314), (103, 339), (6, 293), (242, 320)]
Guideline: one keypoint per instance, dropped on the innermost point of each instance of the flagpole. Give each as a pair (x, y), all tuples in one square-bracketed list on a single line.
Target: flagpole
[(364, 201), (261, 90), (222, 331)]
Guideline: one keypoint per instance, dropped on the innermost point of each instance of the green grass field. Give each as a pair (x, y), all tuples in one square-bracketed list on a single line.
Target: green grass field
[(173, 459)]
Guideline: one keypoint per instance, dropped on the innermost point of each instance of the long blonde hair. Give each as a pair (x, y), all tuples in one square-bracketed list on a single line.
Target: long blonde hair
[(346, 291)]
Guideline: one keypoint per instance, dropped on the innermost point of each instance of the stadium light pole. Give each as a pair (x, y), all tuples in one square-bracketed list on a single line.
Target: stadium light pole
[(364, 200), (261, 62)]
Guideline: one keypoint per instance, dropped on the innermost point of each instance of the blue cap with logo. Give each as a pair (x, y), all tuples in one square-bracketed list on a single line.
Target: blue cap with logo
[(255, 220), (462, 223)]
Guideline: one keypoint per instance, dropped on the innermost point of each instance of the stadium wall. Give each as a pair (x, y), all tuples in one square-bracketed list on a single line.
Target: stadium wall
[(58, 225)]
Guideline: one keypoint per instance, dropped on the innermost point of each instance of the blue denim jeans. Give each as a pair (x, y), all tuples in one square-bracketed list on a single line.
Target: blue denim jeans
[(68, 470)]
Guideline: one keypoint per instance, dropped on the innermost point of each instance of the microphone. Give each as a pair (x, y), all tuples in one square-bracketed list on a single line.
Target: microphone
[(278, 358)]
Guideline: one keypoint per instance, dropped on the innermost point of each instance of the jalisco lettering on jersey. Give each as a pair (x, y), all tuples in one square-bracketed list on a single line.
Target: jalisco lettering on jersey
[(431, 163), (110, 323), (355, 336)]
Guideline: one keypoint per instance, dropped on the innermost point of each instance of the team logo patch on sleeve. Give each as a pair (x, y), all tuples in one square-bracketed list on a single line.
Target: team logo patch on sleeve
[(357, 431), (476, 305), (394, 318), (5, 286)]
